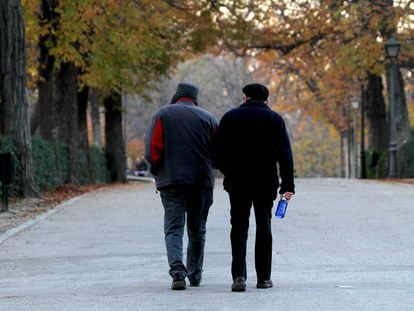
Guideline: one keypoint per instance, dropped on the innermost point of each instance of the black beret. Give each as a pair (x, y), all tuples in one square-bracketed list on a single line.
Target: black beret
[(256, 91)]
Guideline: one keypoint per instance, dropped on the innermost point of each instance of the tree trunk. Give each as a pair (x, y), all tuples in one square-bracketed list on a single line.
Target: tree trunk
[(13, 103), (35, 120), (378, 133), (96, 119), (67, 114), (82, 117), (83, 129), (401, 117), (114, 140), (403, 122), (45, 109)]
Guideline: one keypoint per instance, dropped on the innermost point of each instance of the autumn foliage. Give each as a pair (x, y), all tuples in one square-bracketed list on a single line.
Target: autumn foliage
[(318, 54)]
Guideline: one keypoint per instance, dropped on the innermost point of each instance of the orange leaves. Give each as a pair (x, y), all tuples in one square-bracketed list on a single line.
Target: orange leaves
[(323, 46), (135, 149), (314, 147)]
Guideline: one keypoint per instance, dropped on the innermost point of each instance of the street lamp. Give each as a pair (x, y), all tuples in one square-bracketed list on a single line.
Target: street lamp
[(355, 105), (349, 138), (392, 48)]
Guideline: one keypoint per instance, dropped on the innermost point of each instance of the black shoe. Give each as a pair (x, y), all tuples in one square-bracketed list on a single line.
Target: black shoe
[(178, 283), (194, 283), (239, 284), (265, 284)]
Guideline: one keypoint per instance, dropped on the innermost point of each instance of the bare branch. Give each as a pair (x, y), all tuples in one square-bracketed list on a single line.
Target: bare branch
[(286, 49)]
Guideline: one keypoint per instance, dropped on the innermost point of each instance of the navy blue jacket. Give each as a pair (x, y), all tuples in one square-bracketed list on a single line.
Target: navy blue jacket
[(249, 143)]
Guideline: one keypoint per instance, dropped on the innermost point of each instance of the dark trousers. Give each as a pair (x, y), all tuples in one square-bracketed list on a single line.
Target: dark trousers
[(177, 202), (241, 203)]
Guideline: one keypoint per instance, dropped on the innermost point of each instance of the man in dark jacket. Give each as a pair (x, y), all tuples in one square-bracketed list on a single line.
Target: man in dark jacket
[(178, 146), (249, 143)]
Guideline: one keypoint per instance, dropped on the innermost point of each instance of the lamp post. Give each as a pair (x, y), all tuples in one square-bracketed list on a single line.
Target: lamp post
[(392, 48), (343, 164), (355, 105)]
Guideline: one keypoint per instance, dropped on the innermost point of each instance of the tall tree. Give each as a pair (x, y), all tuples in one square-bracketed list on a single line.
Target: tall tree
[(45, 112), (121, 51), (13, 102), (403, 132), (377, 114), (114, 144), (56, 116), (329, 44), (95, 118), (66, 105)]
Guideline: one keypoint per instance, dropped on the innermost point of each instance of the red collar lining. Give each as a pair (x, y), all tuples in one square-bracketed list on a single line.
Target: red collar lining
[(185, 99)]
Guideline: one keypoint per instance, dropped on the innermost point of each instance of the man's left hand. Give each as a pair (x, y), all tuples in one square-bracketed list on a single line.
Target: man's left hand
[(288, 195)]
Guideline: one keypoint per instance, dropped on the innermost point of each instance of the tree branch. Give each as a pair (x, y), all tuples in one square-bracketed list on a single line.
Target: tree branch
[(286, 49)]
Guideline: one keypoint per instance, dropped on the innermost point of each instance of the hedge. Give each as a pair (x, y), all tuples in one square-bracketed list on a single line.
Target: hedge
[(51, 164)]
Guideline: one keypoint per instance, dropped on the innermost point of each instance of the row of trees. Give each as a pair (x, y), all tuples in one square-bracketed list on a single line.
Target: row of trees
[(80, 50), (74, 52), (321, 54), (221, 79), (330, 49)]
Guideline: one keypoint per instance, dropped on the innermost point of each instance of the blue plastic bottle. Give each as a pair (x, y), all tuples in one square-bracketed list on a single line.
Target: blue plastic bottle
[(281, 208)]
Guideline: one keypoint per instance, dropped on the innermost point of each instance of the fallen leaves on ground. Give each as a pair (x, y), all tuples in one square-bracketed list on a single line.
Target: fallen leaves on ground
[(21, 209)]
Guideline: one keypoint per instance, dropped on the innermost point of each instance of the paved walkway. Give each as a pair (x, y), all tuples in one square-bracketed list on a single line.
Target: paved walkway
[(345, 245)]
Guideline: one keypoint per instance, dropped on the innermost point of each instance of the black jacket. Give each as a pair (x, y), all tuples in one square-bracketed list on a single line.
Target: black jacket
[(247, 146)]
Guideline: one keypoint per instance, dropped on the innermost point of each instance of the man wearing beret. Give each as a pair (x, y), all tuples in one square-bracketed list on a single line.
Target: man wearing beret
[(178, 148), (253, 133)]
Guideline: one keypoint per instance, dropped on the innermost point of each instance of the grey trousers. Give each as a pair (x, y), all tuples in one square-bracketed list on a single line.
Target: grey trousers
[(177, 202)]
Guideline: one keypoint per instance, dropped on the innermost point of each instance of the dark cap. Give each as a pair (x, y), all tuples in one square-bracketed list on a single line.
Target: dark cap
[(256, 91), (185, 90)]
